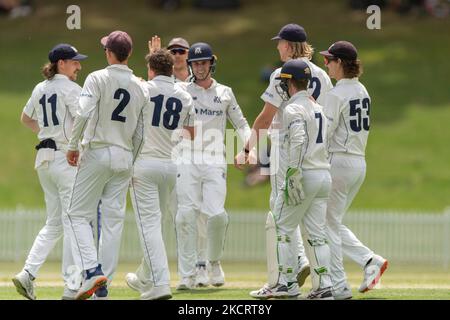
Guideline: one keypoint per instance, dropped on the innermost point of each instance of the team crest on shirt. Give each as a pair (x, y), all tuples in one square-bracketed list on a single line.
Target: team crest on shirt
[(217, 99)]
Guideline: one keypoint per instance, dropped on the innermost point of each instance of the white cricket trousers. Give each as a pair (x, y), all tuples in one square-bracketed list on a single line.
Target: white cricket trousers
[(56, 182), (201, 188), (151, 187), (96, 180), (310, 214), (347, 173), (278, 161)]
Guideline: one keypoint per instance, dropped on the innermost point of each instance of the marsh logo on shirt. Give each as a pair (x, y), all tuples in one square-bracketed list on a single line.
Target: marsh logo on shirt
[(207, 112)]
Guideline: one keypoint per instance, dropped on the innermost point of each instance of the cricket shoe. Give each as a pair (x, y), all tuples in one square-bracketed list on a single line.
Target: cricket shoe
[(303, 273), (279, 291), (186, 283), (293, 290), (24, 284), (216, 274), (100, 294), (344, 293), (136, 284), (321, 294), (69, 294), (372, 272), (201, 278), (91, 283), (157, 293)]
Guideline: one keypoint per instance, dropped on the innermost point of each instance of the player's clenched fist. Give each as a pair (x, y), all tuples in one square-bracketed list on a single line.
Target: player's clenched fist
[(72, 157)]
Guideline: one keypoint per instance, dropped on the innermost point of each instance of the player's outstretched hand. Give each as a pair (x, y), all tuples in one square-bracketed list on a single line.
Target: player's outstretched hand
[(154, 44), (240, 160), (72, 157)]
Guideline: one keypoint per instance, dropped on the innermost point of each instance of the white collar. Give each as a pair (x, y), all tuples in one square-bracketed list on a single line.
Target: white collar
[(164, 78), (60, 76), (347, 80), (119, 66)]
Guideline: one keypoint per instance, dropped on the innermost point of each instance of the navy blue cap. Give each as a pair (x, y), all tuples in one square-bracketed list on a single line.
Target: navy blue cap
[(341, 49), (291, 32), (64, 51), (295, 69)]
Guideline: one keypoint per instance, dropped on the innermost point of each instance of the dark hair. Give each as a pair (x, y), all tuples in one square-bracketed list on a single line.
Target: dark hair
[(352, 68), (121, 54), (161, 62), (49, 70), (300, 84)]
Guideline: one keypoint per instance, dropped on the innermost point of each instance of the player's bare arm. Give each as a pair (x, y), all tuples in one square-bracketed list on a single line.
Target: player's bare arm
[(262, 122), (188, 133), (30, 123)]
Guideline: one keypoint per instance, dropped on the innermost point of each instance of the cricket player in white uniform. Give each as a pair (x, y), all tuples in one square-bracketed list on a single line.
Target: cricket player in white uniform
[(292, 44), (49, 112), (155, 170), (140, 280), (201, 181), (347, 107), (111, 105), (307, 183)]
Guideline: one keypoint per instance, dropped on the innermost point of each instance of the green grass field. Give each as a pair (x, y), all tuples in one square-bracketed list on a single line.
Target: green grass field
[(404, 282), (406, 72)]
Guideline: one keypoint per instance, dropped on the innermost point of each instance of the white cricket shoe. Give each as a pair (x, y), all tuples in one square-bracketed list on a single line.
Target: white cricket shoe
[(69, 294), (201, 278), (293, 290), (157, 293), (303, 273), (321, 294), (186, 283), (24, 285), (279, 291), (373, 272), (136, 284), (216, 274), (343, 293), (91, 285)]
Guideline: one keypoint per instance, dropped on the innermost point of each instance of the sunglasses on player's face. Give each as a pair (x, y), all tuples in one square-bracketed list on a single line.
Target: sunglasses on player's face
[(178, 50)]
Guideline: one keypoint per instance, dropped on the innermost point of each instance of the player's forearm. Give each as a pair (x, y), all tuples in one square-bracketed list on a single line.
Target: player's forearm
[(30, 123), (297, 139), (262, 123), (77, 131)]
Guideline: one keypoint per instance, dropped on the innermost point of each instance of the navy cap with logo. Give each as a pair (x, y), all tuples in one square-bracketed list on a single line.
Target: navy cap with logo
[(64, 51), (291, 32), (341, 49), (295, 69)]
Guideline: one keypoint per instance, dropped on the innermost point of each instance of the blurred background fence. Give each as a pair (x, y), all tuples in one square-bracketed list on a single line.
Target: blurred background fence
[(402, 237)]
